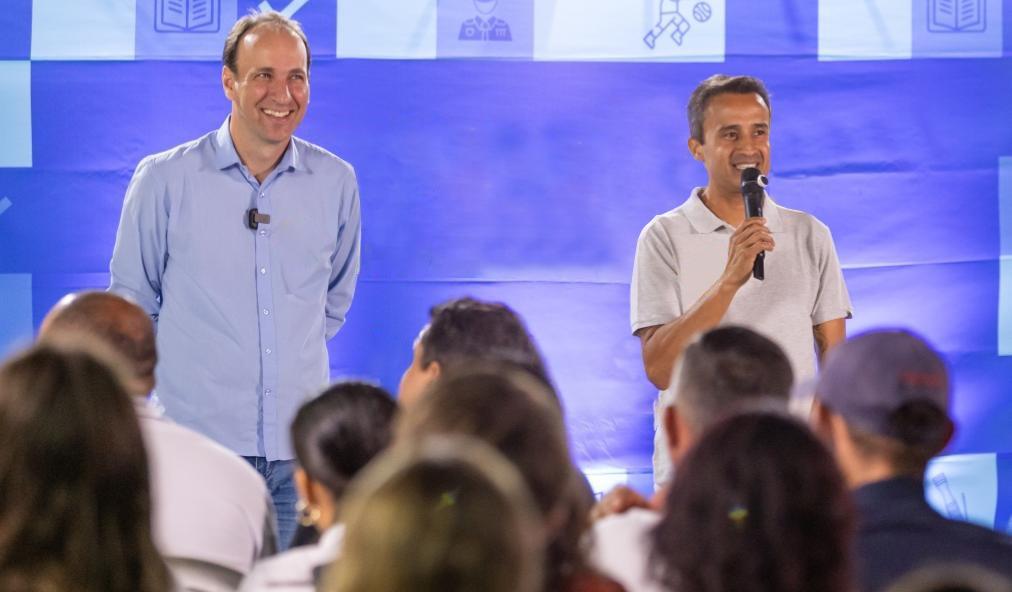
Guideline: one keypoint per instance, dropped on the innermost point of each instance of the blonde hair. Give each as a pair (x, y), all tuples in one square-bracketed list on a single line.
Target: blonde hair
[(448, 515)]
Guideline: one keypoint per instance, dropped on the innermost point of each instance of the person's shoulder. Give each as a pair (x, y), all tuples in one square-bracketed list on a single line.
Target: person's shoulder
[(800, 219), (672, 222), (977, 536), (805, 225), (632, 522), (318, 158), (168, 439), (187, 154), (290, 570)]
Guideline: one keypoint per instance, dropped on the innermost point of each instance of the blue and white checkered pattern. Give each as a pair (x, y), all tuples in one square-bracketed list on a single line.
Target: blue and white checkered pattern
[(887, 29), (513, 149)]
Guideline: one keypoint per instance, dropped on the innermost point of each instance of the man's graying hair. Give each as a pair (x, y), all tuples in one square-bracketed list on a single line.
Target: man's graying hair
[(729, 367)]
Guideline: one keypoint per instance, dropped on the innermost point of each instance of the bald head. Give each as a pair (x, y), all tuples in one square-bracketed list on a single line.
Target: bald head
[(117, 322)]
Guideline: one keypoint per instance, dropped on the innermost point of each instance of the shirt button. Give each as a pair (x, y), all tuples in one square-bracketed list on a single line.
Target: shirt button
[(263, 270), (267, 351), (267, 312), (267, 392), (263, 195), (263, 233)]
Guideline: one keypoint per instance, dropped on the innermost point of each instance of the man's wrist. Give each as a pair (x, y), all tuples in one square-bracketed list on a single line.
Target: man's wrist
[(727, 286)]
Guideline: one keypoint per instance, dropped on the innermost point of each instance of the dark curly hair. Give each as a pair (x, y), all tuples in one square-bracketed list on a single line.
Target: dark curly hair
[(758, 506)]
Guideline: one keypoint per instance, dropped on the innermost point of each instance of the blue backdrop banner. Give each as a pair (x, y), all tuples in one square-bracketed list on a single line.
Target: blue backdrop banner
[(513, 150)]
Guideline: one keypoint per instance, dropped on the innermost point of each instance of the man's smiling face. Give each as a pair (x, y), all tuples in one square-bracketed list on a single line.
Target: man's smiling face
[(736, 135), (270, 88)]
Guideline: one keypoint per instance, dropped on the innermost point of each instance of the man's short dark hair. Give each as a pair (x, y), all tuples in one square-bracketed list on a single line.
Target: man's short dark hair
[(230, 54), (466, 330), (719, 84), (728, 367)]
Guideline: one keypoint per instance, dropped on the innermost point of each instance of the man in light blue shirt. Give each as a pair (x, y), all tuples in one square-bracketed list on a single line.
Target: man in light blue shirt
[(243, 246)]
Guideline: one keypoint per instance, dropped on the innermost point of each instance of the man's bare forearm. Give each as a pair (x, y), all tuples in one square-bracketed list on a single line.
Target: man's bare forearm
[(829, 334), (662, 344)]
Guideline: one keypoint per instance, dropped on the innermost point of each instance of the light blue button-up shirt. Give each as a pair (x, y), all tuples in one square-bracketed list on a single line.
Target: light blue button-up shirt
[(243, 315)]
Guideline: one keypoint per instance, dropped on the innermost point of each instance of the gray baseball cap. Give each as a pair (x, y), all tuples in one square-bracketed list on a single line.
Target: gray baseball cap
[(869, 376)]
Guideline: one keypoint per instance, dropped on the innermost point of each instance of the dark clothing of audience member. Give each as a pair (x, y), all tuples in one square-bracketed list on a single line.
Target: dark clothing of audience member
[(898, 532), (882, 402)]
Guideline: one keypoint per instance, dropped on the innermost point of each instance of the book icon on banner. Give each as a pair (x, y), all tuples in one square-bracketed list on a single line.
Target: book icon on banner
[(485, 26), (957, 16), (187, 16), (672, 18)]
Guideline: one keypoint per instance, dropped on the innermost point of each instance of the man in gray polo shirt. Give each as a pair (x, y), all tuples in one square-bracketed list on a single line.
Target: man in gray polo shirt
[(693, 268)]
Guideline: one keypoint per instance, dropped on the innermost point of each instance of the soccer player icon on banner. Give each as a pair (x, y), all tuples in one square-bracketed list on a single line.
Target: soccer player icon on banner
[(484, 26), (671, 17)]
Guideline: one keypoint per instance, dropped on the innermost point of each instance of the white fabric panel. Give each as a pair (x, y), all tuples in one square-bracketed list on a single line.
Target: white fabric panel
[(963, 487), (615, 30), (864, 29), (83, 29), (16, 114), (405, 29), (1005, 285)]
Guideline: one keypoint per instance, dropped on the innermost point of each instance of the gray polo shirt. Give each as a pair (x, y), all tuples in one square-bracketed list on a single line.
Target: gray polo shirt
[(681, 253)]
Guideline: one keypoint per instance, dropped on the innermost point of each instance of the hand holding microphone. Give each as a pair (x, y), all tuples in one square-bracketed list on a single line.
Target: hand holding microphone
[(752, 238), (753, 184)]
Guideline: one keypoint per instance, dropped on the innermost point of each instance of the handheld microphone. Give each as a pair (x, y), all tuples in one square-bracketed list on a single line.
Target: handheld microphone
[(753, 182), (254, 218)]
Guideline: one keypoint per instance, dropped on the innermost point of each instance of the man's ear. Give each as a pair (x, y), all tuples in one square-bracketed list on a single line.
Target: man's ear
[(302, 485), (830, 428), (434, 370), (819, 418), (674, 429), (696, 149), (228, 82)]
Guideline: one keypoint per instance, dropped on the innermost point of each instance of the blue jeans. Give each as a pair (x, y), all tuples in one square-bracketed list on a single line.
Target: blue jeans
[(278, 475)]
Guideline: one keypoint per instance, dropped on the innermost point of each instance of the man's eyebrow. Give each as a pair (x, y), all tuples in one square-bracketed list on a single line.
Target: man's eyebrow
[(729, 127)]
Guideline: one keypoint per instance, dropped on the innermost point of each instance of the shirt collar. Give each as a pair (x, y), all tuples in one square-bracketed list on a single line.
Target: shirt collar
[(899, 487), (225, 155), (704, 221), (882, 500)]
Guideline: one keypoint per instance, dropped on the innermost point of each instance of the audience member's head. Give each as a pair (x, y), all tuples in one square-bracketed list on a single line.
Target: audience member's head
[(758, 506), (122, 325), (952, 577), (334, 436), (724, 369), (443, 515), (882, 403), (464, 331), (74, 498), (518, 415)]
